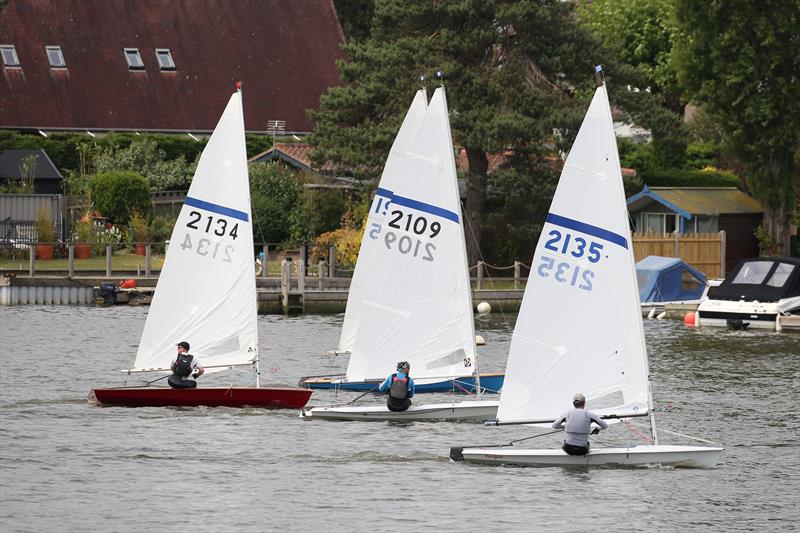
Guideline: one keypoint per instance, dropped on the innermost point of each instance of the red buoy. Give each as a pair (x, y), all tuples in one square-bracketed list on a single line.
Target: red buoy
[(688, 318)]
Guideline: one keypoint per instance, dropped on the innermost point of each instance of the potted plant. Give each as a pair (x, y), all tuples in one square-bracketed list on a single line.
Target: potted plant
[(139, 228), (83, 229), (45, 234)]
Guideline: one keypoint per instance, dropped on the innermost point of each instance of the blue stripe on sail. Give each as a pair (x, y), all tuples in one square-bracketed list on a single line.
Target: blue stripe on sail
[(419, 206), (214, 208), (594, 231)]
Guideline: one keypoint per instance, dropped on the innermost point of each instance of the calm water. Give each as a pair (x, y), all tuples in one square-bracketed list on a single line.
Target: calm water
[(66, 465)]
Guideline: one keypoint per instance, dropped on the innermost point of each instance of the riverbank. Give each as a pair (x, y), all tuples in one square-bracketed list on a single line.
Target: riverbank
[(311, 295)]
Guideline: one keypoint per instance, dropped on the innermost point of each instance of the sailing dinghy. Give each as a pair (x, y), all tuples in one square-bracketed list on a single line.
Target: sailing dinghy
[(590, 338), (206, 291), (411, 299)]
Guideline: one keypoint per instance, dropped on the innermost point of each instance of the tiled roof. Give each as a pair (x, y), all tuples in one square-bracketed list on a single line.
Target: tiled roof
[(283, 50)]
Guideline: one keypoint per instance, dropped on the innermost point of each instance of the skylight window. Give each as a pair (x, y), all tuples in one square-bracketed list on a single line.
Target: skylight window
[(56, 57), (134, 59), (9, 53), (164, 57)]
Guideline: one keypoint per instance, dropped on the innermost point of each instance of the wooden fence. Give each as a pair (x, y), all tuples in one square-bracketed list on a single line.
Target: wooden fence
[(704, 251)]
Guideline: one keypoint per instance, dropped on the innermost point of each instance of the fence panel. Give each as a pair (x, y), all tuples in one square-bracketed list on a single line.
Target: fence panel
[(704, 251)]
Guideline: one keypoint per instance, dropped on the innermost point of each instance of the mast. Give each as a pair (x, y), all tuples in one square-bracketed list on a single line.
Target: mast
[(601, 82), (256, 358), (475, 365)]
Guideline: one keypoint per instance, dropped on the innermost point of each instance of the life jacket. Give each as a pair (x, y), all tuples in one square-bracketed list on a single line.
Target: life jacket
[(399, 388), (183, 365)]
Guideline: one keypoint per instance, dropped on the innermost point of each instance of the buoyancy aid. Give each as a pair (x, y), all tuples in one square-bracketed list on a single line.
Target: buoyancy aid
[(183, 365), (399, 388)]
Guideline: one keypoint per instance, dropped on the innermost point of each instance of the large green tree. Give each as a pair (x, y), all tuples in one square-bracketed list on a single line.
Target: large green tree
[(740, 60), (511, 68)]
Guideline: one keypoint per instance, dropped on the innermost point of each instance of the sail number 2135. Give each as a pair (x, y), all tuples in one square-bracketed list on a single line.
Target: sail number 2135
[(576, 246)]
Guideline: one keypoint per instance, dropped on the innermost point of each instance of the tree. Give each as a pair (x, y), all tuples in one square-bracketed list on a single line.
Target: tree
[(278, 214), (144, 156), (511, 68), (118, 194), (739, 59)]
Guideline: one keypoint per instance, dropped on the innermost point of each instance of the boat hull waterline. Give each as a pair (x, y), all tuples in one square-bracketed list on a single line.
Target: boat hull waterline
[(490, 383), (265, 397), (466, 410), (690, 456)]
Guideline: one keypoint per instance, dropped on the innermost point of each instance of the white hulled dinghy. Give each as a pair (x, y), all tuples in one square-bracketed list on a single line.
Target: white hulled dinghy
[(206, 292), (590, 338), (411, 299)]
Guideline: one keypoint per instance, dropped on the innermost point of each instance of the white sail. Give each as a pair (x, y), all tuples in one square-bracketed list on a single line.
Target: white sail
[(415, 299), (206, 292), (393, 170), (579, 328)]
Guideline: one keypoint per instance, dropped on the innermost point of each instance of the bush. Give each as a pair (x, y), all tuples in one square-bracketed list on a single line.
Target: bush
[(278, 214), (45, 232), (690, 178), (117, 194), (138, 227)]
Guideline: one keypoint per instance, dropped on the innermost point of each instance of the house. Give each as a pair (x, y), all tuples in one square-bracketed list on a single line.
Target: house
[(44, 174), (664, 210), (164, 65)]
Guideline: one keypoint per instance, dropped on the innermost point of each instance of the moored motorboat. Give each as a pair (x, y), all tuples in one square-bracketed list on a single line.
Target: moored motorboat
[(760, 293)]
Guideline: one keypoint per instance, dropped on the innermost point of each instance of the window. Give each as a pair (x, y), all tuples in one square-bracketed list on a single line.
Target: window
[(9, 53), (164, 58), (56, 57), (658, 223), (753, 272), (134, 59), (781, 274)]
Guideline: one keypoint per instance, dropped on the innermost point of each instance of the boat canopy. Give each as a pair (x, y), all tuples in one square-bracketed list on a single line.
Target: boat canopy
[(766, 279), (668, 279)]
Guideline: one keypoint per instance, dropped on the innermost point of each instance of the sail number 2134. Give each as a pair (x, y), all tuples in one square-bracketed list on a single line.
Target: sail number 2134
[(217, 226)]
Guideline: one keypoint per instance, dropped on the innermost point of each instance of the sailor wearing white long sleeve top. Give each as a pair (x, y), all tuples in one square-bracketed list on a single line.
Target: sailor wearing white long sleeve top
[(577, 424)]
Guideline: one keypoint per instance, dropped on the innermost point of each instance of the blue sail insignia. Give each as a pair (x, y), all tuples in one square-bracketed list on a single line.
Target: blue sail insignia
[(218, 209), (419, 206)]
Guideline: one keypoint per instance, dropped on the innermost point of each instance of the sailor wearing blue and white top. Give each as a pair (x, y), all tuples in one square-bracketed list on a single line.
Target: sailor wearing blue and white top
[(577, 423), (400, 387)]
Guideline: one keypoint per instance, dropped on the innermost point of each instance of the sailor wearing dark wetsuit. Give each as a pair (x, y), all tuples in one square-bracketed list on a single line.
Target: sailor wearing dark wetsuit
[(577, 423), (184, 365), (400, 387)]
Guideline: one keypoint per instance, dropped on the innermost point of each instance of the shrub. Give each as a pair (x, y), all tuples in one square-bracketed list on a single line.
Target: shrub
[(690, 178), (45, 232), (139, 227), (117, 194)]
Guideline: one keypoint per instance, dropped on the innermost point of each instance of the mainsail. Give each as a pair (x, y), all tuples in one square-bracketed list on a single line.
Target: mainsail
[(579, 328), (394, 170), (412, 284), (206, 292)]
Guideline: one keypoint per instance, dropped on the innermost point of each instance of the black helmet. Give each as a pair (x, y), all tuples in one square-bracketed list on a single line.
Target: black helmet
[(403, 364), (183, 344)]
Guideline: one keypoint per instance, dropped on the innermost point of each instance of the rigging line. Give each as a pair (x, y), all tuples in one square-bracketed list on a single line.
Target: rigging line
[(345, 403), (532, 437), (698, 439), (480, 253)]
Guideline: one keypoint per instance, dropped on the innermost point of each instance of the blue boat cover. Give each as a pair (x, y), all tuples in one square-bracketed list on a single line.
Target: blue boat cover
[(668, 279)]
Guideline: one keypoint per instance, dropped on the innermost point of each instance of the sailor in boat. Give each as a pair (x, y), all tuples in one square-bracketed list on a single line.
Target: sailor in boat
[(400, 387), (183, 366), (577, 423)]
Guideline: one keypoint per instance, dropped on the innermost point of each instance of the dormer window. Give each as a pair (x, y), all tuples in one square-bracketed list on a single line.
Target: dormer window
[(134, 59), (56, 57), (164, 57), (9, 53)]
